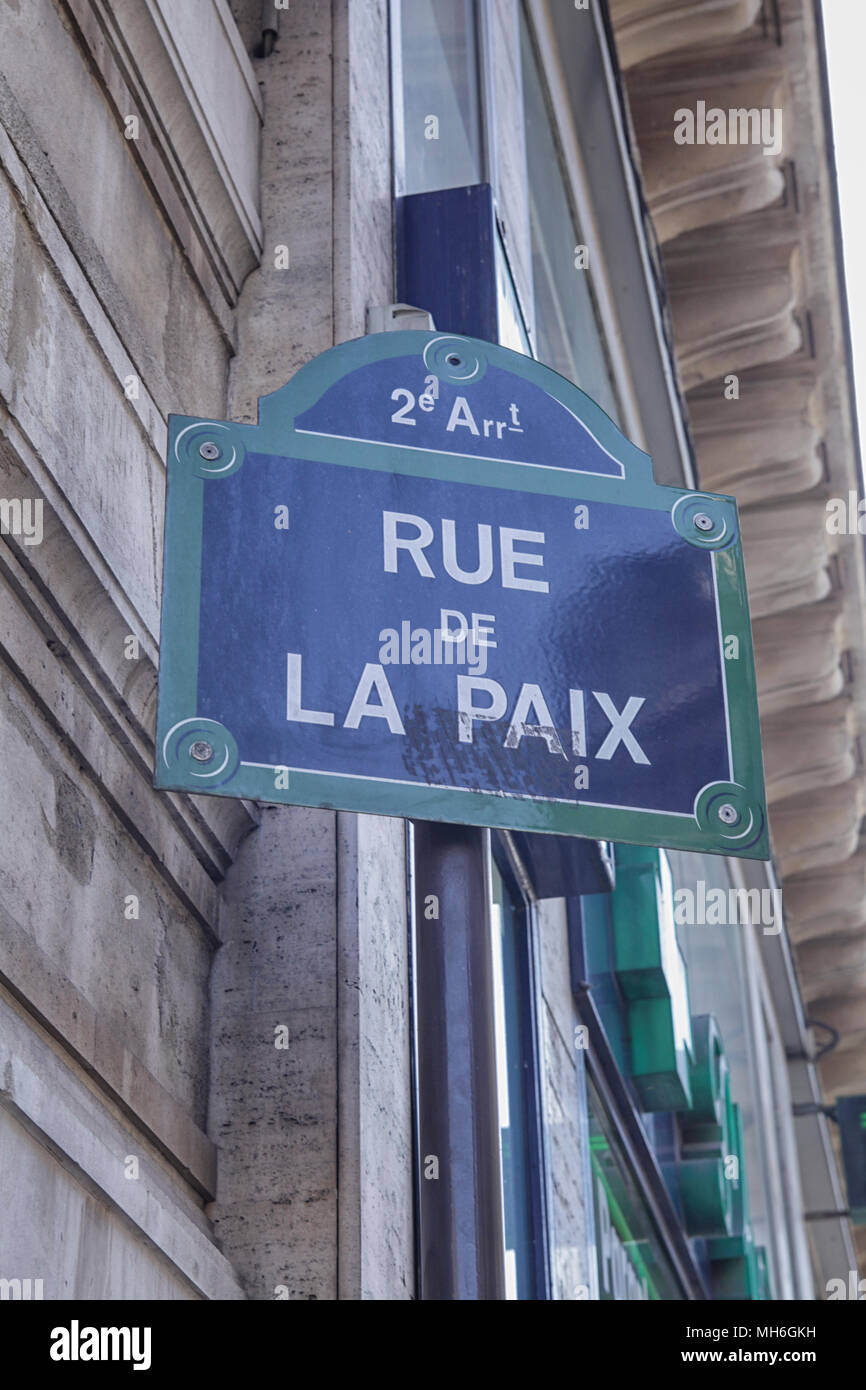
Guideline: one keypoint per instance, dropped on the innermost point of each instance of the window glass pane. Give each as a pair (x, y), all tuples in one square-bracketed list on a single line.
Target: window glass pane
[(441, 126), (512, 332), (673, 964), (567, 334), (716, 965), (632, 1264)]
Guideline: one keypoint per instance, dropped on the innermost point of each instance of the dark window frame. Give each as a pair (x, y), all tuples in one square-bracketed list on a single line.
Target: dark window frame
[(518, 882), (616, 1098)]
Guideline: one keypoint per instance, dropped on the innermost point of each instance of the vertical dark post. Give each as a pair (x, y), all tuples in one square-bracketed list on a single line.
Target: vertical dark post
[(446, 257), (460, 1202)]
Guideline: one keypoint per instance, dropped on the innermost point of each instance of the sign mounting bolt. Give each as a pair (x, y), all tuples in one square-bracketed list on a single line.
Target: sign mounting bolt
[(727, 813), (209, 451), (201, 751), (703, 522)]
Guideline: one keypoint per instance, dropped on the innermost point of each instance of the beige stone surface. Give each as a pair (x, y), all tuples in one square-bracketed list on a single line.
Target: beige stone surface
[(110, 316)]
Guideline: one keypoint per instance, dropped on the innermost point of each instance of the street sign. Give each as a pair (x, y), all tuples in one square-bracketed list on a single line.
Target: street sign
[(436, 581)]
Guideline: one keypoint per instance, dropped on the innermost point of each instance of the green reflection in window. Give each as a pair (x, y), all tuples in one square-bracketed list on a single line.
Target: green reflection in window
[(632, 1263)]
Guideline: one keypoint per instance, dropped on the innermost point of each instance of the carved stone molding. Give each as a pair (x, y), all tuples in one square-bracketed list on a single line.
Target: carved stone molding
[(179, 70), (830, 924), (818, 827), (798, 657), (809, 747), (842, 1074), (737, 184), (647, 28), (845, 1014), (762, 446), (787, 551), (827, 901), (734, 319), (694, 185), (833, 965)]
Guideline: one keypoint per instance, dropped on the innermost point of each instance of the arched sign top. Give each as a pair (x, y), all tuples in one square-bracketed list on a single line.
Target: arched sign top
[(440, 393)]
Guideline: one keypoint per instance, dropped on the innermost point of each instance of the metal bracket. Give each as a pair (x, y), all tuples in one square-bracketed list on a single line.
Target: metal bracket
[(388, 318)]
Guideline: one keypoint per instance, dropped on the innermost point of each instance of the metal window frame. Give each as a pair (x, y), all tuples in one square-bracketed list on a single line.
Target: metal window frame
[(539, 1174), (615, 1096)]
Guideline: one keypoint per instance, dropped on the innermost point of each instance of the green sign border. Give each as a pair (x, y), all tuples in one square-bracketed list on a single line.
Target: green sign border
[(178, 724)]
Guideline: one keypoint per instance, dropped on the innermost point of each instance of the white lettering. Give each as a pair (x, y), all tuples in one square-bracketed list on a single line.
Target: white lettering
[(531, 698), (414, 544), (467, 712), (485, 555), (511, 557), (294, 708), (461, 415), (619, 728), (373, 678)]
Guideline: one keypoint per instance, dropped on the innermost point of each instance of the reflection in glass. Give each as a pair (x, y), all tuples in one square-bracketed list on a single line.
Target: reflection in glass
[(567, 334), (441, 123), (632, 1264), (512, 332), (508, 928), (716, 965)]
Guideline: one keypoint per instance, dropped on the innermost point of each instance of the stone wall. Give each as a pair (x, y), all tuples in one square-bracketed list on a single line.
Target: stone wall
[(158, 1142), (315, 1189), (123, 243)]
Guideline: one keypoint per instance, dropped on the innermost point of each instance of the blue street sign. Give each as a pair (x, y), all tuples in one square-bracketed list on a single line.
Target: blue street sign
[(436, 581)]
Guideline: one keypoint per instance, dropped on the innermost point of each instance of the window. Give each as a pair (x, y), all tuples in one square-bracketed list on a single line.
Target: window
[(567, 333), (512, 330), (632, 1264), (511, 926), (438, 116), (490, 262)]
